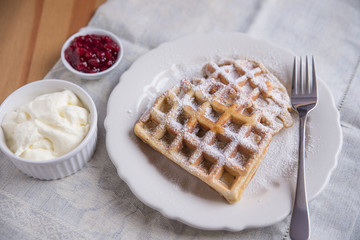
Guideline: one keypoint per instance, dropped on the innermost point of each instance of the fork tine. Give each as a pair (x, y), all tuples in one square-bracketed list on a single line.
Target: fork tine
[(294, 88), (307, 83), (301, 81), (314, 84)]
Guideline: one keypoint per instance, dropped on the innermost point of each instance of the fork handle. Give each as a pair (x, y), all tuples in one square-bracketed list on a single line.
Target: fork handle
[(300, 221)]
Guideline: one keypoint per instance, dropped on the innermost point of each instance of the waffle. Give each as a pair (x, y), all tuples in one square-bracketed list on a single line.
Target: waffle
[(218, 127)]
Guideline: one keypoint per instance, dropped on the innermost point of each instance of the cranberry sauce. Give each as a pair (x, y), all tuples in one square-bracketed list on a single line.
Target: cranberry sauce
[(92, 53)]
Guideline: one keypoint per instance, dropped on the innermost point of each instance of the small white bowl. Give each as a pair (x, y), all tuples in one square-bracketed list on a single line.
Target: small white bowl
[(58, 167), (83, 32)]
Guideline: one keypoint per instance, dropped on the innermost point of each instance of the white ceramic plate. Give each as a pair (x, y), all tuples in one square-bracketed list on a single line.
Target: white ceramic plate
[(164, 186)]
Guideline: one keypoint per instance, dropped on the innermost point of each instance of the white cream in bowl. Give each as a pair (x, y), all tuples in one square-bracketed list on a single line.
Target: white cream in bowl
[(60, 127), (47, 127)]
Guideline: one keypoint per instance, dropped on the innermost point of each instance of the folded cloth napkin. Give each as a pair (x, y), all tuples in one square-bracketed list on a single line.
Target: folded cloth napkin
[(96, 204)]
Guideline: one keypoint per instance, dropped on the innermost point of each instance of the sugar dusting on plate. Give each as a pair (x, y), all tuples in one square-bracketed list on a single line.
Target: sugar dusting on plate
[(281, 160)]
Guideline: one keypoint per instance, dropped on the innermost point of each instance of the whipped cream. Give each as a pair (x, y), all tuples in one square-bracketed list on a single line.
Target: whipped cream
[(47, 127)]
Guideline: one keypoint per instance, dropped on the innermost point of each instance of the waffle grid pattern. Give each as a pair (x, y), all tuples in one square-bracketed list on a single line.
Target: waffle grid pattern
[(218, 127)]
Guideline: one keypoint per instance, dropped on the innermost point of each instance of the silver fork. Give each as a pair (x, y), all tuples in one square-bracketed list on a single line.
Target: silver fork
[(303, 99)]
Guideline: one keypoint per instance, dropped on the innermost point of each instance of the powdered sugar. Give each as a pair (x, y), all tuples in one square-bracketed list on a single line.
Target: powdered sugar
[(281, 159)]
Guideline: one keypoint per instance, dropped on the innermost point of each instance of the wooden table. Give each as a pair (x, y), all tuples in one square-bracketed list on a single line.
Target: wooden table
[(32, 33)]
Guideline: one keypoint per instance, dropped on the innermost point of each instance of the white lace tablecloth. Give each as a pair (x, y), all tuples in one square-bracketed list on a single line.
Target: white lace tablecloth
[(96, 204)]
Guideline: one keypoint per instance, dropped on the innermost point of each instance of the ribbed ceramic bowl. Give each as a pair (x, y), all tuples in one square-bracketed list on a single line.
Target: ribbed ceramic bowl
[(83, 32), (58, 167)]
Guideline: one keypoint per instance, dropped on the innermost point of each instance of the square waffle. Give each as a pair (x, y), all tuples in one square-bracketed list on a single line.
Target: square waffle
[(218, 127)]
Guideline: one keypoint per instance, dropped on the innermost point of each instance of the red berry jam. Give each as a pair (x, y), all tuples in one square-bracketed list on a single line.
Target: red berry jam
[(92, 53)]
